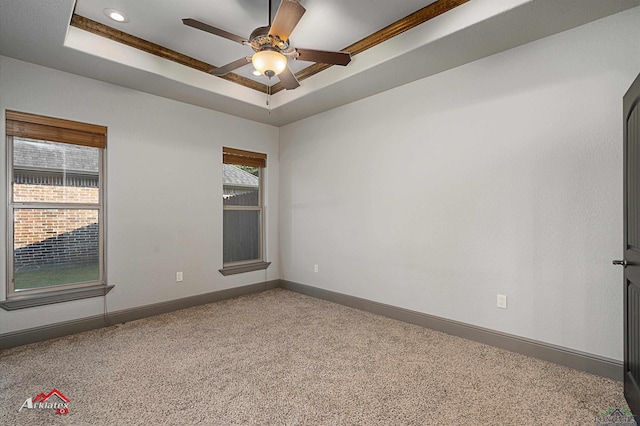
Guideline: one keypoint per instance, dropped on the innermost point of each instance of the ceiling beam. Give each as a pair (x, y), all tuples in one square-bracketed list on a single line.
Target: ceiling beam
[(155, 49), (416, 18)]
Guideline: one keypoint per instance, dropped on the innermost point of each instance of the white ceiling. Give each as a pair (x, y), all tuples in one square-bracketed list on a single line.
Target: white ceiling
[(38, 31), (160, 22)]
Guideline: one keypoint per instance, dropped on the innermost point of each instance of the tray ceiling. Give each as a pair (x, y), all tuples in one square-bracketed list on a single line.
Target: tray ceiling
[(392, 43)]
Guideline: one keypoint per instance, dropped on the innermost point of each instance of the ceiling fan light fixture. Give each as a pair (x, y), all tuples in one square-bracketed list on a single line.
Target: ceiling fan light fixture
[(269, 62)]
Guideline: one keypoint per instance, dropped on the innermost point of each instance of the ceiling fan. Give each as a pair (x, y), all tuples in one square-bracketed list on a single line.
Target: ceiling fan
[(272, 46)]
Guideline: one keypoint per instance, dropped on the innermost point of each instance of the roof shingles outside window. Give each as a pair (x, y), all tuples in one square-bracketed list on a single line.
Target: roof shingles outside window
[(234, 176), (30, 154)]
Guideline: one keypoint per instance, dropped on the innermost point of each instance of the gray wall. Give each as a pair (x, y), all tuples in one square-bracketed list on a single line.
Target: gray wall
[(161, 219), (500, 176)]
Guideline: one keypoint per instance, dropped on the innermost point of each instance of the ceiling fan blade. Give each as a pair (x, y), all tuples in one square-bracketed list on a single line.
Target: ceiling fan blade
[(213, 30), (324, 57), (287, 17), (231, 66), (288, 79)]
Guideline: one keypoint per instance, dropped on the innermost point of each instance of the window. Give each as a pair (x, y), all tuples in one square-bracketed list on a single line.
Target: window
[(243, 215), (55, 210)]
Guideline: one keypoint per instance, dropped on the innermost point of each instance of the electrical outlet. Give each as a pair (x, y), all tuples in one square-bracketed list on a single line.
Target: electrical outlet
[(502, 301), (315, 268), (178, 277)]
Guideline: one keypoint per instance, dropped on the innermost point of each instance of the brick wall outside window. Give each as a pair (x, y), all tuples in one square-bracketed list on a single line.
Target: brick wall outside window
[(52, 236), (54, 194)]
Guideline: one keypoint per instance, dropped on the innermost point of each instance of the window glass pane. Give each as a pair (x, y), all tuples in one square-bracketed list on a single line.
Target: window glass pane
[(55, 247), (241, 238), (54, 172), (240, 185)]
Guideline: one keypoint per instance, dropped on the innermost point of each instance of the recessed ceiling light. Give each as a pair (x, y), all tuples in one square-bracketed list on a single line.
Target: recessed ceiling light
[(116, 15), (256, 73)]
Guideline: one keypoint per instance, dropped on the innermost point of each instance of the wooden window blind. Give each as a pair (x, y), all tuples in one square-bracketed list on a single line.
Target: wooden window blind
[(33, 126), (240, 157)]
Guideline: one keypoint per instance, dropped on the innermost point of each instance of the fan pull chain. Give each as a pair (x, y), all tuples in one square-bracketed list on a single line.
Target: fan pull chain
[(269, 95)]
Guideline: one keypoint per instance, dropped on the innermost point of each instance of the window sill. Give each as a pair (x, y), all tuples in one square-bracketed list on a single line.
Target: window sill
[(239, 269), (41, 299)]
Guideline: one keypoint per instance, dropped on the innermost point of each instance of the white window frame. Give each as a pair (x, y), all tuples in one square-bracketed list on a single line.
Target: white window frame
[(252, 159), (23, 298)]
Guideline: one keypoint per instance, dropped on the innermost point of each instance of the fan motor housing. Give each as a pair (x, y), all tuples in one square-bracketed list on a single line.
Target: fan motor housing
[(260, 39)]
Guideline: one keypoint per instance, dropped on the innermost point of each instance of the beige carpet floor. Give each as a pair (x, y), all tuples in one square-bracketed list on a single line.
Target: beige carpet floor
[(281, 358)]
